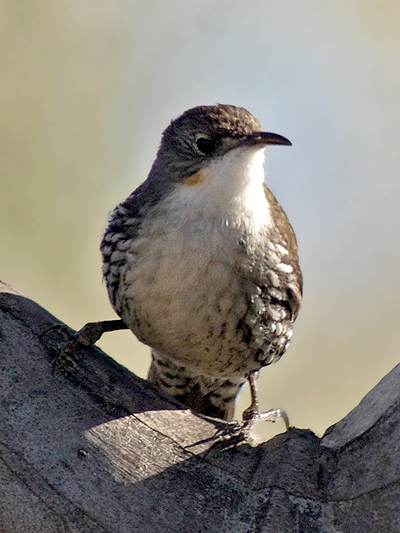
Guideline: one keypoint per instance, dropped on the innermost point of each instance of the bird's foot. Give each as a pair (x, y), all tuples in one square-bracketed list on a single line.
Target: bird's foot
[(252, 416), (88, 335), (64, 349), (233, 433)]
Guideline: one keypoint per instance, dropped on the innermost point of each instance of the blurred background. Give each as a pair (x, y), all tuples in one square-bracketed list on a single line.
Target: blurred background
[(86, 88)]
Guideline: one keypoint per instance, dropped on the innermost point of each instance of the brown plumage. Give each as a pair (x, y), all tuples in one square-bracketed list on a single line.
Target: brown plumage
[(201, 261)]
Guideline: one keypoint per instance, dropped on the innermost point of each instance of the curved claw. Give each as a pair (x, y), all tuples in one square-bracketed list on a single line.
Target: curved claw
[(251, 418), (273, 415)]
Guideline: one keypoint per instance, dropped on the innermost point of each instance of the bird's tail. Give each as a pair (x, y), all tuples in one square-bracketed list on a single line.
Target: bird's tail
[(203, 394)]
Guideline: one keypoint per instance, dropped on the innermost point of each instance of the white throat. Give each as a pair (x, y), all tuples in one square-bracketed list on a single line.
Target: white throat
[(230, 188)]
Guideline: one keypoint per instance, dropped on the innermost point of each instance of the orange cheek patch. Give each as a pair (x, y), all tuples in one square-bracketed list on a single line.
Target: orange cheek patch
[(195, 179)]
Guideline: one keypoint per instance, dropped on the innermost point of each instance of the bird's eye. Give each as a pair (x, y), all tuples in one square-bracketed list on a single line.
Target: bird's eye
[(205, 146)]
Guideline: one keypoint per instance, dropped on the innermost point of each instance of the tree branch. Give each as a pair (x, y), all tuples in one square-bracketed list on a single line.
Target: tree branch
[(97, 449)]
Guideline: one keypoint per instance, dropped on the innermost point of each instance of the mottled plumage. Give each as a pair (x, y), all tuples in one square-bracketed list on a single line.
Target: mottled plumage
[(201, 262)]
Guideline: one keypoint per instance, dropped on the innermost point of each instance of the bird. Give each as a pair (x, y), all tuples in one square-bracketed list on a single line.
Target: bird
[(201, 263)]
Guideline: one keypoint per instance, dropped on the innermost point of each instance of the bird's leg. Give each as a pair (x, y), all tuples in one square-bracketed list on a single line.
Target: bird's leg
[(232, 433), (252, 415), (88, 335), (92, 331), (252, 411)]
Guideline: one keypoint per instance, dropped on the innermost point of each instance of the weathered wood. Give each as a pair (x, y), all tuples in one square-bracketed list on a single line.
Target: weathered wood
[(97, 449)]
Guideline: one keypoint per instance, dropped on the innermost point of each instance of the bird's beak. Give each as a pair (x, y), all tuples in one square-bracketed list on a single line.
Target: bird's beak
[(263, 138)]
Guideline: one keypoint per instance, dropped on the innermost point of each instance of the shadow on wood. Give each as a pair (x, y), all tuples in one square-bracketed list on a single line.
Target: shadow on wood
[(97, 449)]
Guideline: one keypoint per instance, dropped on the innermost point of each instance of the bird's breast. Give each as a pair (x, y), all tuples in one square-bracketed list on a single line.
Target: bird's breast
[(189, 288)]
